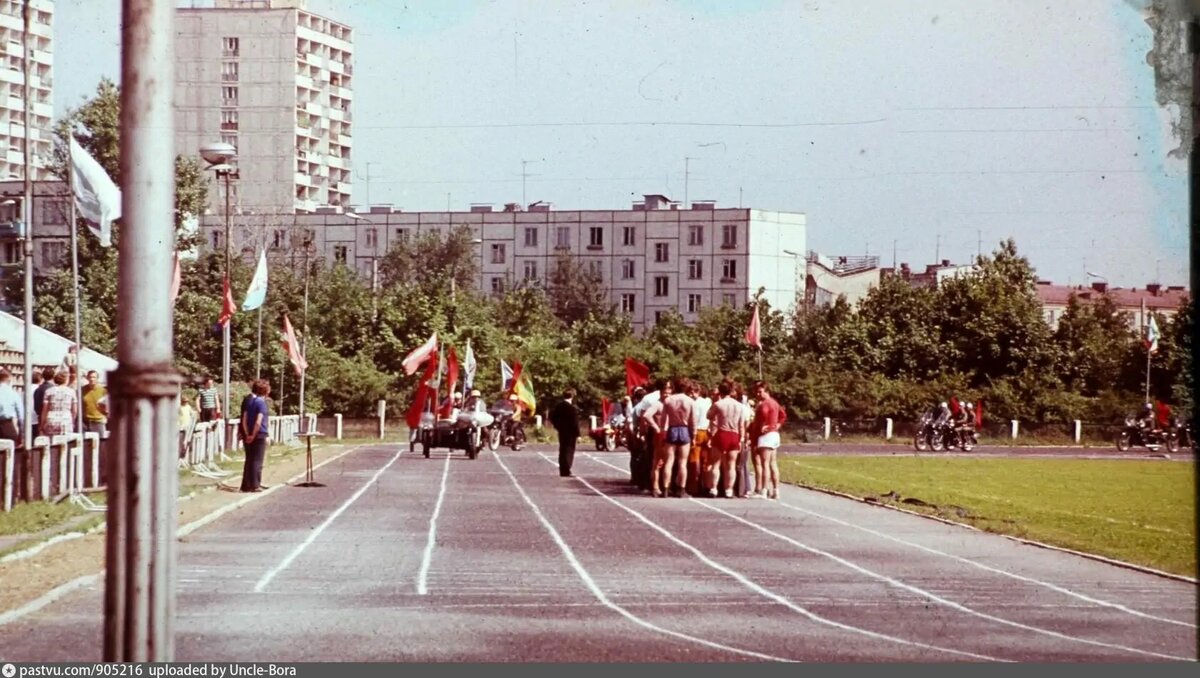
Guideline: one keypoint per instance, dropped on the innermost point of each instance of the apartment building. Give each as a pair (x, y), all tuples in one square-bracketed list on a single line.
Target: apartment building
[(276, 82), (51, 236), (828, 278), (1137, 304), (653, 257), (12, 88)]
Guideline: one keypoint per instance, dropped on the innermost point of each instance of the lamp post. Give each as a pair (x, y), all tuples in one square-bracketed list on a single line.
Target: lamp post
[(219, 155), (374, 266), (27, 220)]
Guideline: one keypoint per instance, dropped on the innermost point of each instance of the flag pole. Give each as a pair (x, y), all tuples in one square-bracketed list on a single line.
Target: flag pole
[(258, 354), (78, 314), (304, 341)]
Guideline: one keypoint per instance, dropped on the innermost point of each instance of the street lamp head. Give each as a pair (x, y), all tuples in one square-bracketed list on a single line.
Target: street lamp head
[(217, 154), (790, 253)]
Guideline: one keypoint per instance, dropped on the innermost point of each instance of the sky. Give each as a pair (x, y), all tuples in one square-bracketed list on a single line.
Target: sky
[(912, 130)]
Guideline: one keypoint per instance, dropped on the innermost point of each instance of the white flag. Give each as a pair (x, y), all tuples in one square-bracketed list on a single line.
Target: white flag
[(469, 369), (506, 375), (257, 294), (96, 196)]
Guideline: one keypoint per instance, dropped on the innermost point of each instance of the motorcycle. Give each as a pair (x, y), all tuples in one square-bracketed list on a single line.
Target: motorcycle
[(923, 438), (1183, 431), (1133, 435), (611, 435), (504, 430), (939, 437)]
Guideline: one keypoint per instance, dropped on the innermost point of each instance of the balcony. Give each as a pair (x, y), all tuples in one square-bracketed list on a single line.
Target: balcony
[(305, 82), (303, 179)]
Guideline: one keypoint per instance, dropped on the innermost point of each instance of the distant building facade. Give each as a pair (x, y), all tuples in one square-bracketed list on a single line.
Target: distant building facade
[(652, 258), (1139, 304), (933, 275), (828, 278), (276, 82), (12, 88), (51, 236)]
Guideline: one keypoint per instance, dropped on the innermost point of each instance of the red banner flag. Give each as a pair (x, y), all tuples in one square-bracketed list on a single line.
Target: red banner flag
[(452, 371), (636, 374), (228, 308), (605, 411), (176, 280), (420, 354), (753, 333), (292, 347), (979, 415), (413, 418)]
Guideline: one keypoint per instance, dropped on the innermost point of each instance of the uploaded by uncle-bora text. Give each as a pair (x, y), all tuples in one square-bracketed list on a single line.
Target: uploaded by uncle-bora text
[(155, 670)]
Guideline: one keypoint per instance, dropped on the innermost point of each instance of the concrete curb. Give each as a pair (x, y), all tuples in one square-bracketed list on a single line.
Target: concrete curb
[(87, 579), (1030, 542)]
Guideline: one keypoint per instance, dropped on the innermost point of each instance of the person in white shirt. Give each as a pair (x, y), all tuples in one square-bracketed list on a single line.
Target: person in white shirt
[(12, 410)]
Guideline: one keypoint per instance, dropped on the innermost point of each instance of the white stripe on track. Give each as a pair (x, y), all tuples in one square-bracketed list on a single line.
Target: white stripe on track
[(600, 595), (767, 593), (967, 561), (312, 536), (423, 575)]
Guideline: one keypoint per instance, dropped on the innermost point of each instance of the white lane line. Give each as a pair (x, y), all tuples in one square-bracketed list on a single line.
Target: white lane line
[(312, 536), (600, 595), (51, 596), (423, 575), (767, 593), (967, 561)]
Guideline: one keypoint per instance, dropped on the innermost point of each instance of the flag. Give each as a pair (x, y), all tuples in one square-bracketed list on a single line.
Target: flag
[(228, 308), (979, 415), (413, 418), (1152, 336), (257, 294), (753, 336), (515, 376), (420, 354), (452, 371), (506, 376), (96, 196), (636, 374), (176, 279), (605, 411), (292, 347), (469, 368), (523, 388)]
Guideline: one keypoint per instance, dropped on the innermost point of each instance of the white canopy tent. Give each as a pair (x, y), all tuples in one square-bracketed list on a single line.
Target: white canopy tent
[(49, 348)]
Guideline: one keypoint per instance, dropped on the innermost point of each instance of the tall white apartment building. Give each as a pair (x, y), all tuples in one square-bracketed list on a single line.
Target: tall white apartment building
[(12, 88), (275, 81), (652, 258)]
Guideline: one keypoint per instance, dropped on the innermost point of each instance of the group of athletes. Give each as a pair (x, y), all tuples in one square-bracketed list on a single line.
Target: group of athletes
[(684, 438)]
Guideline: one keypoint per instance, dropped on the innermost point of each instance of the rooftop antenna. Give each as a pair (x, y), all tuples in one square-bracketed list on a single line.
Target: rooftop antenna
[(524, 175)]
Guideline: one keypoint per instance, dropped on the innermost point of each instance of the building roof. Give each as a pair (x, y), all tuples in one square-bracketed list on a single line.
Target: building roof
[(1155, 297)]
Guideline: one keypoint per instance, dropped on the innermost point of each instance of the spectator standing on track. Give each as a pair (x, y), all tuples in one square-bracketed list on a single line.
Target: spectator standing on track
[(742, 481), (565, 419), (12, 411), (95, 405), (768, 420), (208, 401), (680, 433), (59, 408), (729, 423), (253, 430)]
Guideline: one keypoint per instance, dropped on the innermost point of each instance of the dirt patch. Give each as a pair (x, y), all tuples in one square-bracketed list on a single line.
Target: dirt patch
[(24, 580)]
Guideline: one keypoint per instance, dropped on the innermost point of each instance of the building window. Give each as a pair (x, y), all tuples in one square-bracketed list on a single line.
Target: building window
[(277, 239), (229, 120), (595, 237), (728, 299), (498, 253), (229, 47), (627, 269), (658, 317), (729, 269), (498, 286), (54, 212), (340, 253), (627, 302), (662, 252), (229, 71), (10, 253), (402, 235), (562, 238), (695, 235), (531, 236), (695, 269), (229, 95), (628, 235), (693, 303), (215, 236), (53, 253), (372, 237), (230, 139), (531, 270), (596, 268), (662, 286), (729, 236)]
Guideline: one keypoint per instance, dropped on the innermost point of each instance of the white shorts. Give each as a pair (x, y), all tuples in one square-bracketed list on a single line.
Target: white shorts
[(769, 440)]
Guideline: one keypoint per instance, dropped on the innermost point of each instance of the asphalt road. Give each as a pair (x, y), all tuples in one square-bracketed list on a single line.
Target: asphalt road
[(402, 558)]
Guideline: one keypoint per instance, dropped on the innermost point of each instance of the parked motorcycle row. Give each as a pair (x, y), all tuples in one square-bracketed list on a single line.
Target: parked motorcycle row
[(939, 437), (947, 436)]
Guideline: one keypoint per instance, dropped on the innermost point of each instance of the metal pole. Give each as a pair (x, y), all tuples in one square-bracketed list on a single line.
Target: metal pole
[(304, 339), (227, 407), (71, 221), (27, 218), (374, 289), (258, 352), (139, 595)]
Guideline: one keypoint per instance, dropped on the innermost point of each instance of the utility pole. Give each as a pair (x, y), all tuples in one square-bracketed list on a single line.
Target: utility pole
[(367, 179), (524, 175), (687, 161), (27, 218), (978, 243), (893, 256), (739, 197), (140, 542), (937, 252)]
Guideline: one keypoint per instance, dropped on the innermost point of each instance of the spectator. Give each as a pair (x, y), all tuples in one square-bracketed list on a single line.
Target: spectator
[(12, 411), (565, 419), (95, 405), (59, 409), (678, 406), (253, 430), (729, 421), (39, 394), (208, 402), (768, 420)]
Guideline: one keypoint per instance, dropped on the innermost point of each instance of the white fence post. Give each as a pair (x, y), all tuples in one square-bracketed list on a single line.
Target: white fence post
[(887, 430), (337, 426), (828, 427), (537, 421), (44, 483), (1078, 431), (592, 418), (382, 418), (1016, 425), (9, 450)]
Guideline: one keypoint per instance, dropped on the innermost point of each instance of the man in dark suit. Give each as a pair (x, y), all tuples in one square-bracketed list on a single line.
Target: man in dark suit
[(565, 419)]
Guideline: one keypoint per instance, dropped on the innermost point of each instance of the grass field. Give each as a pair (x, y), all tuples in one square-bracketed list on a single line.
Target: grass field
[(1138, 511)]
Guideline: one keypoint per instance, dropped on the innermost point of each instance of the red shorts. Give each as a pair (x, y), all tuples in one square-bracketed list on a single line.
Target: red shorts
[(727, 441)]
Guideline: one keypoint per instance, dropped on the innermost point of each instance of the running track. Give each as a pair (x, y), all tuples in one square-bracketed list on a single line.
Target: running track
[(402, 558)]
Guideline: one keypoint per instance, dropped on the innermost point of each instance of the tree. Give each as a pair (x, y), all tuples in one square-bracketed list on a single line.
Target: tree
[(1090, 340), (575, 290)]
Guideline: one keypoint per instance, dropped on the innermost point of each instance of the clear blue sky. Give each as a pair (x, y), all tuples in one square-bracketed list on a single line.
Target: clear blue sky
[(881, 120)]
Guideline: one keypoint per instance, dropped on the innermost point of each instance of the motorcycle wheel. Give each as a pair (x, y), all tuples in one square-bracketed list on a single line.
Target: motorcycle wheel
[(1172, 443), (966, 442), (599, 444), (493, 439), (936, 442), (920, 441), (610, 442), (1123, 441)]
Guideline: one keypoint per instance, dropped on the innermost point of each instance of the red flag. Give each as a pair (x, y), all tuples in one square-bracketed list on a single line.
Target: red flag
[(292, 347), (451, 380), (516, 375), (420, 354), (636, 374), (413, 418), (605, 411), (229, 307), (753, 336), (176, 279), (955, 408), (979, 415)]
